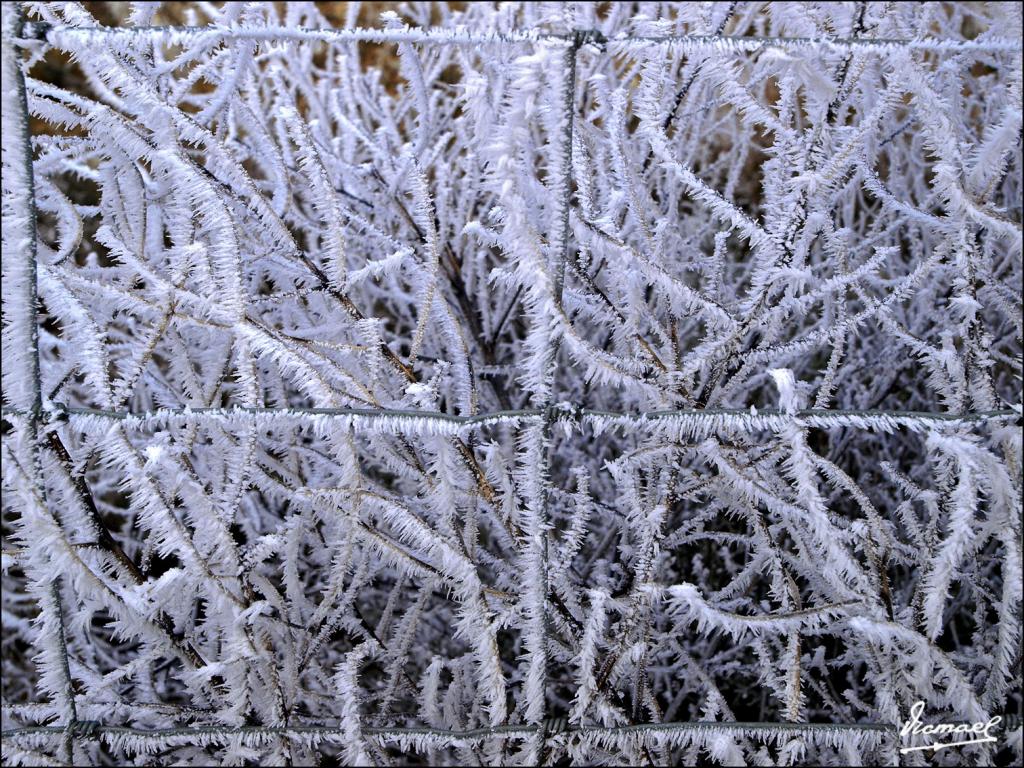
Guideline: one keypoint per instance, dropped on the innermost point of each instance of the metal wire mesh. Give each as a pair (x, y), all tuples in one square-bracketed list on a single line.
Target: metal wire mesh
[(34, 414)]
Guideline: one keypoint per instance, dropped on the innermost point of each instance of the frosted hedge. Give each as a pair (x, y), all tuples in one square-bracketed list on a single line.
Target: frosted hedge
[(608, 383)]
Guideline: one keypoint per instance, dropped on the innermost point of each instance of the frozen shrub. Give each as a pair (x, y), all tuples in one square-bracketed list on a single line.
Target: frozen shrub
[(603, 383)]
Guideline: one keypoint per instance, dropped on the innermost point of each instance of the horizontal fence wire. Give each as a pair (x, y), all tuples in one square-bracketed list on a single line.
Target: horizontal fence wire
[(90, 728), (734, 418), (456, 36), (750, 419)]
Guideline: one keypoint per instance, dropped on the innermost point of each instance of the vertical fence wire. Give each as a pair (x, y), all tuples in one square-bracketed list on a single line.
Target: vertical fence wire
[(20, 209), (19, 234)]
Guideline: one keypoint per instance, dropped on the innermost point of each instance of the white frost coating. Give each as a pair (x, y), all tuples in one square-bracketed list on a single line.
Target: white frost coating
[(612, 371), (347, 681), (153, 453), (18, 272), (783, 378), (588, 655)]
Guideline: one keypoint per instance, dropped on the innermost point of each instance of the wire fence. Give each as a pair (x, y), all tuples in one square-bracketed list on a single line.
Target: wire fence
[(34, 413), (551, 728)]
